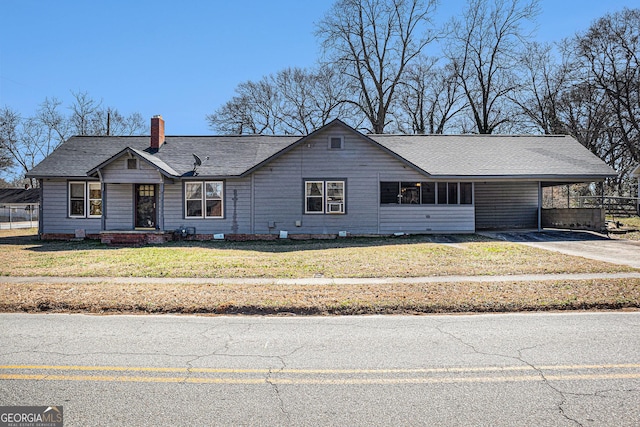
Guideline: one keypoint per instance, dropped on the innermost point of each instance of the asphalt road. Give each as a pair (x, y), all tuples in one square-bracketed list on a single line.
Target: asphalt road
[(499, 370)]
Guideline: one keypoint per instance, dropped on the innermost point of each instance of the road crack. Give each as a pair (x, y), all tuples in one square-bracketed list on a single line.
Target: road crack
[(268, 379), (520, 358)]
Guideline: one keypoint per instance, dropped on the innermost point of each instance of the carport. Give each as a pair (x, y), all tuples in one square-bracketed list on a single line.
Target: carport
[(519, 204)]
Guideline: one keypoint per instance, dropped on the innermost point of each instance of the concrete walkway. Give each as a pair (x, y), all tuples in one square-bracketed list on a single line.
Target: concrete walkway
[(320, 280), (577, 243)]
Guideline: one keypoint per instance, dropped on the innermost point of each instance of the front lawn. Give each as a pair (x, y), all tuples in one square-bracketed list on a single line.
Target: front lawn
[(414, 256)]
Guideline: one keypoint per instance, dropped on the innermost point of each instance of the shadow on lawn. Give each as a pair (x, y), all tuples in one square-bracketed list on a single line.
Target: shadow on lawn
[(33, 243)]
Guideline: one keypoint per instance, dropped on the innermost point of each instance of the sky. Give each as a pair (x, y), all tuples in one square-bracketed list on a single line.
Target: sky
[(183, 59)]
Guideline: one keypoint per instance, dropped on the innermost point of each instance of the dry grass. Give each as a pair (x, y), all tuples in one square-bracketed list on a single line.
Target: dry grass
[(416, 256), (322, 300), (24, 255), (631, 226)]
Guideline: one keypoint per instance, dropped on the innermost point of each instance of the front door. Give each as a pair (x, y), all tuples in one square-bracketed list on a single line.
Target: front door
[(145, 206)]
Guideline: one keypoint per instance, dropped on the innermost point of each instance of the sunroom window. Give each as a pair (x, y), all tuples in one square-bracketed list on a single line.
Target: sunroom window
[(425, 193)]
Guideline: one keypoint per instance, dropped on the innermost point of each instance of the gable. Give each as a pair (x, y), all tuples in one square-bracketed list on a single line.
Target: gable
[(326, 140)]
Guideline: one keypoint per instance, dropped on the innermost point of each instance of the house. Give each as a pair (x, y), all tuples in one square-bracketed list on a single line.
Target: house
[(334, 181), (19, 207)]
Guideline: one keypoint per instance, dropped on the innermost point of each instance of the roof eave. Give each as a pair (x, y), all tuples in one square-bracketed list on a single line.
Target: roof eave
[(532, 177)]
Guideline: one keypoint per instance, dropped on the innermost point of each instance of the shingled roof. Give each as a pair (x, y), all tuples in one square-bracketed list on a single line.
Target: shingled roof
[(222, 156), (499, 156), (19, 195), (439, 156)]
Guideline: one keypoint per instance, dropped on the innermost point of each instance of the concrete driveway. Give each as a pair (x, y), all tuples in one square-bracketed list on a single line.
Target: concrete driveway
[(585, 244)]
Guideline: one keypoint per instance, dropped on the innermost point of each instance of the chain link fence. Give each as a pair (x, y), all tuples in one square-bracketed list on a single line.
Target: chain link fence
[(20, 215)]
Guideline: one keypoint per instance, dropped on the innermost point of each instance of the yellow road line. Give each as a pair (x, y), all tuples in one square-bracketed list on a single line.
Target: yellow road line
[(317, 381), (317, 371)]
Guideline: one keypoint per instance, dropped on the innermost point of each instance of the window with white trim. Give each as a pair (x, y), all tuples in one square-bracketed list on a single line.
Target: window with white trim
[(95, 199), (324, 197), (204, 199), (85, 199)]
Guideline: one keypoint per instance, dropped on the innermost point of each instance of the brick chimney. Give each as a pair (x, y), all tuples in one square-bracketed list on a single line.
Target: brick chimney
[(157, 131)]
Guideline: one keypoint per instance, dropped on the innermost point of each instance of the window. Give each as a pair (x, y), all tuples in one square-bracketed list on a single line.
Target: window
[(77, 199), (442, 193), (314, 197), (132, 163), (324, 197), (204, 199), (426, 193), (95, 199), (85, 199), (335, 197), (452, 191), (466, 193), (410, 193), (389, 192), (336, 143)]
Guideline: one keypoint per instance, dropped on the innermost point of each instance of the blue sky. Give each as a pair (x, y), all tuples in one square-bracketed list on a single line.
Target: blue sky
[(183, 59)]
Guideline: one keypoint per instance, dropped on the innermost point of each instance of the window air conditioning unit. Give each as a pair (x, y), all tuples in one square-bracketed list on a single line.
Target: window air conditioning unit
[(335, 207)]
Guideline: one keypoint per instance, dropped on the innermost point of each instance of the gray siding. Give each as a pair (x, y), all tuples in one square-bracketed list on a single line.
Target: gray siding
[(55, 209), (117, 172), (427, 219), (279, 186), (237, 209), (119, 211), (506, 205)]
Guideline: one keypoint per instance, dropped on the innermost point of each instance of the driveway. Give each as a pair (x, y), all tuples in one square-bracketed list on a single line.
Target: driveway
[(585, 244)]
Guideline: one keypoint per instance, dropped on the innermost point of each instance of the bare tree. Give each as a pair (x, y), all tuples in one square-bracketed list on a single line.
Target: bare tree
[(429, 97), (544, 83), (292, 101), (610, 54), (83, 110), (254, 110), (372, 42), (310, 98), (57, 126), (9, 122), (483, 50), (26, 141), (109, 121), (88, 117)]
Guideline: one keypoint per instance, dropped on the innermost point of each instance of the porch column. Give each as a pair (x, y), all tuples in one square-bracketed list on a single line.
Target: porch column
[(103, 219), (161, 206), (103, 194), (539, 205), (41, 208)]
